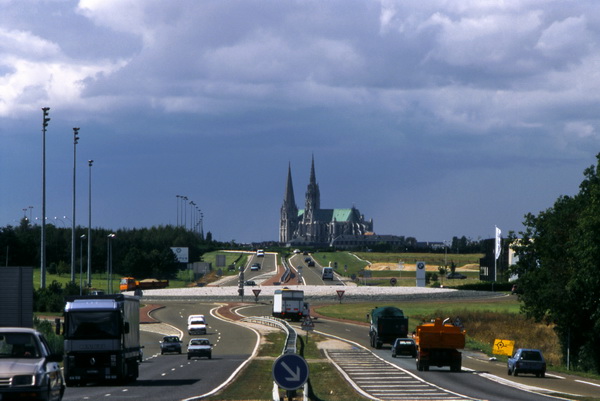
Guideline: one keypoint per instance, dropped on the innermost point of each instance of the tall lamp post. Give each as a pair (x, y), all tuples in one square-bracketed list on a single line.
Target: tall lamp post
[(89, 235), (45, 120), (109, 261), (178, 196), (83, 236), (73, 248)]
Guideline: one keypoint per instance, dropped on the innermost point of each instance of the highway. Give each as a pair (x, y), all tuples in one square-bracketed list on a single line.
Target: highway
[(479, 378), (171, 376)]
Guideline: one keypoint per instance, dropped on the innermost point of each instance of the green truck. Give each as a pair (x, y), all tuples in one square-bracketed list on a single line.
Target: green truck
[(387, 324)]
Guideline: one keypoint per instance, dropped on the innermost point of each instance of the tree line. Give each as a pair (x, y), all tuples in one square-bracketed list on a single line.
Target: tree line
[(143, 252), (559, 270)]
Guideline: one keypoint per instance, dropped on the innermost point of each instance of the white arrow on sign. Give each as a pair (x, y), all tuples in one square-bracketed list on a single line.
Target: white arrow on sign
[(295, 375)]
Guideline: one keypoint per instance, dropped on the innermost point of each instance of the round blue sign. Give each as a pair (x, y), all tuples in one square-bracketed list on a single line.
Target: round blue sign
[(290, 371)]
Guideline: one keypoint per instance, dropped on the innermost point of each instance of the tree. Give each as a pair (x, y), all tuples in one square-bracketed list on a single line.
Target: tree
[(559, 270)]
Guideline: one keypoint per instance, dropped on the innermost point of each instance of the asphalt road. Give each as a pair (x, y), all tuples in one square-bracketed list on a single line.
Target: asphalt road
[(172, 377), (480, 378)]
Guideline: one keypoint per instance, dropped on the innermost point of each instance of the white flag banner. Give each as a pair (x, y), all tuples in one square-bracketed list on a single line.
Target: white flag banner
[(498, 242)]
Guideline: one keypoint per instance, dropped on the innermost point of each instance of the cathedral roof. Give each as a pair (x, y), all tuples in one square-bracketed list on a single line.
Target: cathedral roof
[(339, 215)]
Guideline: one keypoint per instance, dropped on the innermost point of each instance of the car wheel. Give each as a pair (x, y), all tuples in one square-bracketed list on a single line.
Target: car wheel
[(509, 372), (188, 357), (210, 357), (393, 354), (543, 374)]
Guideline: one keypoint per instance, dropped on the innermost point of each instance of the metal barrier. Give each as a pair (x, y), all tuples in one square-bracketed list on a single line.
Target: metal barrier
[(287, 273), (290, 346)]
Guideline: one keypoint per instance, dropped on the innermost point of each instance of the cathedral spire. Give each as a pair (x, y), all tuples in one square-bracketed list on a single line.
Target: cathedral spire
[(313, 195), (313, 179), (289, 189)]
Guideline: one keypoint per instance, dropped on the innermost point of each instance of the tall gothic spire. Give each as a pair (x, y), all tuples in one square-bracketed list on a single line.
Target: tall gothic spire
[(313, 195), (288, 198)]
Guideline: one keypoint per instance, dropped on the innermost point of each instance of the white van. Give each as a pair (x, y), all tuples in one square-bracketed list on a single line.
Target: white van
[(196, 324), (327, 273)]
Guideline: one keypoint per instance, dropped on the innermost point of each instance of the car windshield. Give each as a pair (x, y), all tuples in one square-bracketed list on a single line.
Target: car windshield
[(200, 342), (531, 356), (171, 339), (18, 345)]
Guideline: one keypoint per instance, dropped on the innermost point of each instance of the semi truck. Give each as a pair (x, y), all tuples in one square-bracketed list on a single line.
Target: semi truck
[(387, 324), (131, 284), (102, 339), (438, 343), (289, 304)]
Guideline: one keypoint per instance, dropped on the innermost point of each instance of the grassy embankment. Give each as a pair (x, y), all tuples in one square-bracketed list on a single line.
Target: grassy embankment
[(255, 382), (384, 266)]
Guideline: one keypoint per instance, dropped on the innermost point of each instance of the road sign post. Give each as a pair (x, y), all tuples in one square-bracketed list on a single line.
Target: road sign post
[(340, 294), (420, 274), (290, 371), (307, 325), (256, 291)]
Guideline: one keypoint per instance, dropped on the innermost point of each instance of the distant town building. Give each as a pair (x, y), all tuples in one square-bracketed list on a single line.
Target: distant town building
[(313, 225)]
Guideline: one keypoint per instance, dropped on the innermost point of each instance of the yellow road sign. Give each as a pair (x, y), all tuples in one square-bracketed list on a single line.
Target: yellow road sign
[(503, 347)]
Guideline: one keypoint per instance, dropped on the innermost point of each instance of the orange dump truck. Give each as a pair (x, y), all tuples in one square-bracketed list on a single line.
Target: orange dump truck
[(438, 344), (131, 284)]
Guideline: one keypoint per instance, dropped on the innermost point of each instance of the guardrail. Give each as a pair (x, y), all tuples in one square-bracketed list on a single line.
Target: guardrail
[(290, 346), (287, 273)]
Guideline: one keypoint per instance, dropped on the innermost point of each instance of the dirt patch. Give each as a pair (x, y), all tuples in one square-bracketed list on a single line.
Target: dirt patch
[(393, 267), (333, 344)]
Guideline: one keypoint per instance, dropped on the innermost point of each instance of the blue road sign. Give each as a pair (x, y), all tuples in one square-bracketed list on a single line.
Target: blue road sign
[(290, 371)]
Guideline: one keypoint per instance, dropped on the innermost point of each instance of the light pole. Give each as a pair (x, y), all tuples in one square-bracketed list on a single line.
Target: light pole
[(61, 220), (89, 235), (30, 209), (192, 204), (83, 236), (185, 198), (75, 140), (109, 237), (45, 120), (178, 196)]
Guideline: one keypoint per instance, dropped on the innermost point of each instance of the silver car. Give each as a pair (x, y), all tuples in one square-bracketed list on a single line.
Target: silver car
[(28, 368)]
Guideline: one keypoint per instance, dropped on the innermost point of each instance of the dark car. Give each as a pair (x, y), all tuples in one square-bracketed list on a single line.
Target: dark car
[(456, 275), (404, 346), (250, 283), (170, 344), (28, 367), (526, 360)]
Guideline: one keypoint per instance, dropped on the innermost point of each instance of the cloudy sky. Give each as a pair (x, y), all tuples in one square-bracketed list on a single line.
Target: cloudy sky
[(435, 119)]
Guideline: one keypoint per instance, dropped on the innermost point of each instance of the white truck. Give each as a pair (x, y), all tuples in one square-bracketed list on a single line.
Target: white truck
[(289, 304)]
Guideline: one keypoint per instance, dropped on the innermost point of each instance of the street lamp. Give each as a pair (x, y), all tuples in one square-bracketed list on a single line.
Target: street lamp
[(75, 140), (45, 120), (109, 237), (83, 236), (184, 221), (178, 196), (64, 225), (89, 235)]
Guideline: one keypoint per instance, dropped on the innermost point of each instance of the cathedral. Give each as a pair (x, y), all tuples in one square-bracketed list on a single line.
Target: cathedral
[(313, 225)]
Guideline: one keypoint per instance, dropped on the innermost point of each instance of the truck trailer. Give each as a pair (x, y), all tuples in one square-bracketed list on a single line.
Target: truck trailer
[(102, 339), (131, 284), (438, 344), (289, 304), (387, 324)]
